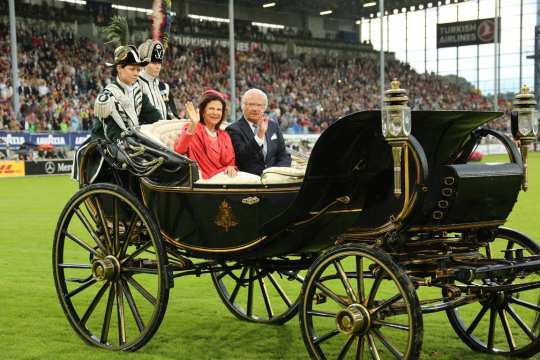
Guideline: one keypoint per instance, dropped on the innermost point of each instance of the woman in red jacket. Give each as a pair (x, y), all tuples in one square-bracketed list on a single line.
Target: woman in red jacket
[(203, 141)]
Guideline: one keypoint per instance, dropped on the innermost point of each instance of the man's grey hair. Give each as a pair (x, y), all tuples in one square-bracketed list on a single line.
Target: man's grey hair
[(254, 91)]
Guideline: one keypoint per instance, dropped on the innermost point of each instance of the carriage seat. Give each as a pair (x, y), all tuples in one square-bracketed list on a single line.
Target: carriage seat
[(165, 132)]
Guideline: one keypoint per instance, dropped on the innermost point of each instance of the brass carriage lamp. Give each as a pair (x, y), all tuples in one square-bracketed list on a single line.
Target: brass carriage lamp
[(396, 128), (524, 125), (396, 115)]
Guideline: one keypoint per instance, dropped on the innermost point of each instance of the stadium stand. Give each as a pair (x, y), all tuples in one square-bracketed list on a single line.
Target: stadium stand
[(61, 74)]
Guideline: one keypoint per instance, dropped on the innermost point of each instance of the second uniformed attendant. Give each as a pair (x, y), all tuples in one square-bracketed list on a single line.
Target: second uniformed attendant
[(157, 91)]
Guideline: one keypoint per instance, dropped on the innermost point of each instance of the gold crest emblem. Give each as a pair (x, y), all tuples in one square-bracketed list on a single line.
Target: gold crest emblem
[(225, 218)]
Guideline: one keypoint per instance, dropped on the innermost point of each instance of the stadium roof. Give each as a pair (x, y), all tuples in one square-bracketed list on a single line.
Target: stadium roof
[(343, 9)]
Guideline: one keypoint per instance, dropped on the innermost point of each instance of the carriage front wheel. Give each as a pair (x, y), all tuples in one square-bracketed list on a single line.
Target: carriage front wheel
[(110, 268), (357, 303)]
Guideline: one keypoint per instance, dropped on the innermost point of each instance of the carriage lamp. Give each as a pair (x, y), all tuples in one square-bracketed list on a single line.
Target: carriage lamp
[(396, 115), (524, 126), (396, 127)]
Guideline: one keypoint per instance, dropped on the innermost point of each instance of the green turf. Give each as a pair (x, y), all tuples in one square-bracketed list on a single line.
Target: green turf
[(196, 325)]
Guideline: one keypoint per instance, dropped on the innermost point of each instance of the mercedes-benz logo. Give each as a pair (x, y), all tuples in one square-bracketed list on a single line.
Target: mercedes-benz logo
[(50, 167)]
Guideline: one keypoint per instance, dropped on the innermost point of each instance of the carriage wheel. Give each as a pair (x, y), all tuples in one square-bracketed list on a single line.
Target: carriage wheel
[(259, 294), (110, 268), (358, 303), (506, 323)]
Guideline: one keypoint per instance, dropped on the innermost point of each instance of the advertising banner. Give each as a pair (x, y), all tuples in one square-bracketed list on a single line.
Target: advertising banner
[(16, 139), (11, 168), (462, 33), (48, 167)]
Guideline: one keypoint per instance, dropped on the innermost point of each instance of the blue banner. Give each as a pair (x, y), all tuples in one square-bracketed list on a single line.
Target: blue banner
[(15, 139)]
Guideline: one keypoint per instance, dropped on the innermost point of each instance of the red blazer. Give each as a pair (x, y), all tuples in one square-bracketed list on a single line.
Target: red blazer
[(197, 147)]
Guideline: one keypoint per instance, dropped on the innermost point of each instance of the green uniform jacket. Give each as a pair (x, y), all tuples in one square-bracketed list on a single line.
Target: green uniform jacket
[(117, 109)]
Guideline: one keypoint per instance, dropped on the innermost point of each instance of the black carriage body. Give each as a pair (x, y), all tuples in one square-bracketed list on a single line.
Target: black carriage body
[(350, 159)]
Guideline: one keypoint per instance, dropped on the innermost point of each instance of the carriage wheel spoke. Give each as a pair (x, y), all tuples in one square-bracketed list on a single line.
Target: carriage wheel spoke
[(280, 291), (137, 252), (488, 251), (387, 344), (250, 293), (82, 244), (510, 245), (477, 319), (74, 266), (238, 285), (360, 279), (321, 313), (372, 348), (101, 217), (94, 303), (84, 286), (507, 331), (331, 294), (345, 281), (266, 298), (132, 306), (391, 325), (374, 289), (116, 235), (107, 317), (360, 348), (386, 303), (491, 332), (151, 299), (346, 347), (90, 229), (520, 322), (323, 338), (523, 303), (221, 275), (121, 315), (132, 225)]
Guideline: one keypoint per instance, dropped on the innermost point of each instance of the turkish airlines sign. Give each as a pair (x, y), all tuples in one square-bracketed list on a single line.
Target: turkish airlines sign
[(474, 32)]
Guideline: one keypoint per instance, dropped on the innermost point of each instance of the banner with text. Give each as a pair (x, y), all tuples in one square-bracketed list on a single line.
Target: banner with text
[(16, 139), (474, 32), (48, 167)]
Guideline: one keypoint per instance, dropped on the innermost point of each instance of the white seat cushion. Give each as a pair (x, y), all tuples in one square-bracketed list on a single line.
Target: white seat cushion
[(164, 132), (240, 179), (282, 175)]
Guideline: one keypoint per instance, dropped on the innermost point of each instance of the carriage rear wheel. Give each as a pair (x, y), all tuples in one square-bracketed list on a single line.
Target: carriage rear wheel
[(358, 303), (504, 322), (110, 268), (257, 292)]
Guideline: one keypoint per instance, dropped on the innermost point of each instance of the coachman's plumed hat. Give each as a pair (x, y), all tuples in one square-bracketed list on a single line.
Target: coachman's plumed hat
[(127, 55), (152, 51)]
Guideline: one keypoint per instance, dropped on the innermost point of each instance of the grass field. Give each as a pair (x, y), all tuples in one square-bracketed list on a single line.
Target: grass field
[(196, 325)]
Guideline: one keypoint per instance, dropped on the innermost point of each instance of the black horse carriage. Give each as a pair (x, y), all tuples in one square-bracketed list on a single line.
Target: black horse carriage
[(389, 221)]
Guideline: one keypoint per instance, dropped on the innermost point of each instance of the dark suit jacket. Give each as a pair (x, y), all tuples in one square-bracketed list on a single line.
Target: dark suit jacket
[(249, 155)]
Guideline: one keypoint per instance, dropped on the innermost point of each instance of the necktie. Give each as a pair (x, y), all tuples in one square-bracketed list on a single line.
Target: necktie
[(264, 147)]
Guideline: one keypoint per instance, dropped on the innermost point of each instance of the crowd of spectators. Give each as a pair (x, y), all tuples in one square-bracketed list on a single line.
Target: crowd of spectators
[(61, 75)]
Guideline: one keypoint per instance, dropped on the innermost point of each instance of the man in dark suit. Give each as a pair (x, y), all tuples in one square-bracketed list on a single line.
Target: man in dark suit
[(258, 142)]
